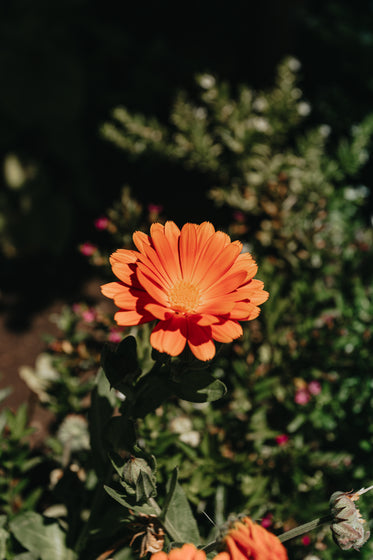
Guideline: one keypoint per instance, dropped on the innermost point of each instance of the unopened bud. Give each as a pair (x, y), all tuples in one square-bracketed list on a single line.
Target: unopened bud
[(139, 478), (348, 526)]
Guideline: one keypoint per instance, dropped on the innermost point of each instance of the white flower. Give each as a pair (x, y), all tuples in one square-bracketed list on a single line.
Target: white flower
[(325, 130), (304, 108), (206, 81), (293, 64)]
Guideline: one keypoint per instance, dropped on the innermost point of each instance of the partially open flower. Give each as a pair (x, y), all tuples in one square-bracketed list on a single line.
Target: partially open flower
[(195, 282), (246, 540), (186, 552), (348, 526)]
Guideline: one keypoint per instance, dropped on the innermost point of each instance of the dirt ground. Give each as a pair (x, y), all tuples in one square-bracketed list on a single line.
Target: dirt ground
[(21, 341)]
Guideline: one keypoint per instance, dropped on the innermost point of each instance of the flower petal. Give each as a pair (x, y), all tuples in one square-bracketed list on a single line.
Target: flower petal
[(170, 336), (151, 286), (141, 240), (244, 311), (217, 265), (123, 263), (225, 285), (166, 251), (200, 342), (208, 254), (226, 331), (253, 291), (188, 250), (160, 312), (133, 317), (111, 289), (151, 260)]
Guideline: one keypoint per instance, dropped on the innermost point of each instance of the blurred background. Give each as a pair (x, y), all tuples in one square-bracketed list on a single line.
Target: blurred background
[(65, 66), (256, 116)]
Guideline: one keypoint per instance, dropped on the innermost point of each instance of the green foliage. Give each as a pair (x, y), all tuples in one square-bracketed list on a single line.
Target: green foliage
[(277, 421), (302, 370)]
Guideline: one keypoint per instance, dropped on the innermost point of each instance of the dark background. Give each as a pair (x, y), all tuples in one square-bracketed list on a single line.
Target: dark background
[(66, 65)]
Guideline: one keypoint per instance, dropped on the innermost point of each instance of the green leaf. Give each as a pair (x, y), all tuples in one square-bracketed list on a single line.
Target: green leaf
[(170, 493), (40, 536), (124, 554), (151, 391), (120, 432), (121, 365), (103, 401), (199, 386), (179, 521), (127, 502), (4, 393), (4, 535)]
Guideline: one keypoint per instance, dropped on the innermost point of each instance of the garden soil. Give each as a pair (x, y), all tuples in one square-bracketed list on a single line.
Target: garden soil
[(22, 342)]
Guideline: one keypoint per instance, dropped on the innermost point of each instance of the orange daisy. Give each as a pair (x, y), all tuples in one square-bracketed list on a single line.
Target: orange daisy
[(195, 282), (186, 552), (247, 540)]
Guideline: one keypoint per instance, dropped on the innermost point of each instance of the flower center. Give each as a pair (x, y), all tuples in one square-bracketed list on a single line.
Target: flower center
[(184, 297)]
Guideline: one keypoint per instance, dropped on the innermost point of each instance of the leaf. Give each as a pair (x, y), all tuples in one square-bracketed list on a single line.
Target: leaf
[(124, 554), (121, 365), (126, 502), (4, 535), (179, 521), (199, 386), (120, 432), (170, 493), (103, 401), (151, 391), (40, 536)]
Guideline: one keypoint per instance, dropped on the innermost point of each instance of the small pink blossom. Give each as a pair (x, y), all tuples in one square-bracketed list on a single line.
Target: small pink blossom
[(239, 216), (87, 249), (306, 540), (266, 521), (76, 307), (302, 396), (101, 223), (282, 439), (155, 209), (115, 336), (314, 387), (89, 315)]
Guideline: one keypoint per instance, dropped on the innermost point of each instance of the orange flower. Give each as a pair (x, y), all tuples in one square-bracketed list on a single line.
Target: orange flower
[(195, 282), (186, 552), (247, 540)]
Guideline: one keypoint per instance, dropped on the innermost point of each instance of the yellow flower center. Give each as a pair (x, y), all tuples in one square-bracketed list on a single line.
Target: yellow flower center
[(184, 297)]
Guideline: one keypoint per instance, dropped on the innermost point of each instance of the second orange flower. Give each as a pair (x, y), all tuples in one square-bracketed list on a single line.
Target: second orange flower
[(195, 282)]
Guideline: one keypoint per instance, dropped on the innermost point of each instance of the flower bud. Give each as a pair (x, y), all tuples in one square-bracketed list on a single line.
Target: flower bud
[(139, 478), (348, 526)]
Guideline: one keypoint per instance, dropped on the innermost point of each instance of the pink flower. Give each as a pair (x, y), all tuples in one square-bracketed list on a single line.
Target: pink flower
[(266, 521), (89, 315), (101, 222), (282, 439), (314, 387), (76, 307), (302, 396), (306, 540), (115, 336), (87, 249), (239, 216), (154, 209)]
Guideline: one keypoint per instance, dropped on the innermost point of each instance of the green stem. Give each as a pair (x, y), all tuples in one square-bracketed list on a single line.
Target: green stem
[(302, 529), (96, 507)]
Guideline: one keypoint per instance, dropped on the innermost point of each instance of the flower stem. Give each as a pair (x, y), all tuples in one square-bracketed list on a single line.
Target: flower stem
[(96, 506), (310, 526)]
